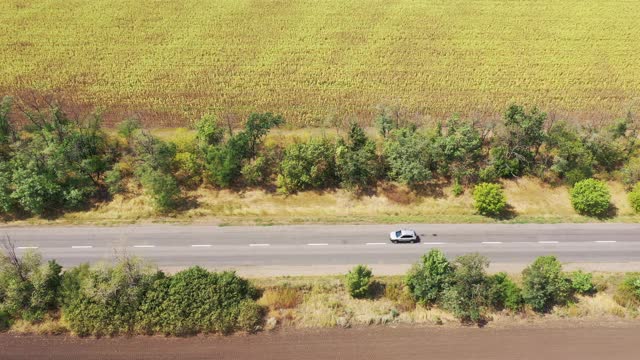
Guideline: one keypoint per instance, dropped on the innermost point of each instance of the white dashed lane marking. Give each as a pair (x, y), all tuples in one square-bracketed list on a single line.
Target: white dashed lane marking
[(547, 242), (318, 244), (492, 242), (82, 247), (259, 245), (605, 241), (144, 246), (201, 246)]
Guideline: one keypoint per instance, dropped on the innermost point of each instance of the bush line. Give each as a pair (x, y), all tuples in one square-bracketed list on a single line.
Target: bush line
[(54, 163)]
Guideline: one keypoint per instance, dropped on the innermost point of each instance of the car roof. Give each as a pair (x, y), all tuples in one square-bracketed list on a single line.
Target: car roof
[(407, 232)]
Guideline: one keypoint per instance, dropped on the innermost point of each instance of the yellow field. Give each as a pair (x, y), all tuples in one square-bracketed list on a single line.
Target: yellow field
[(173, 60)]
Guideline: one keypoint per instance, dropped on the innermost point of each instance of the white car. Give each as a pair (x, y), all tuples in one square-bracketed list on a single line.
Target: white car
[(404, 235)]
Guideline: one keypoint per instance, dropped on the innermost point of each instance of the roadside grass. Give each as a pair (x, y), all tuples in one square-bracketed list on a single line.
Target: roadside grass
[(532, 201)]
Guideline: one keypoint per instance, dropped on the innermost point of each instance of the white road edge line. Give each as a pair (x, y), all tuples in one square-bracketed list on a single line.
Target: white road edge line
[(82, 247), (376, 243), (605, 241), (259, 245), (547, 242), (26, 247), (202, 245), (318, 244), (434, 243), (143, 246), (492, 242)]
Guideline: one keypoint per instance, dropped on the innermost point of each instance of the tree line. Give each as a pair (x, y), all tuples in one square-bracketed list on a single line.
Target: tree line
[(54, 163)]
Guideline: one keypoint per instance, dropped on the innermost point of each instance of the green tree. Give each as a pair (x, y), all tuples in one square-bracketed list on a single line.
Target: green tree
[(428, 279), (356, 160), (544, 284), (457, 150), (408, 154), (308, 165), (571, 159), (517, 143), (208, 132), (468, 296)]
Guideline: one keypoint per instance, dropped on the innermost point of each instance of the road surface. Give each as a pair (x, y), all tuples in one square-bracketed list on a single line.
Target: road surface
[(585, 343), (316, 249)]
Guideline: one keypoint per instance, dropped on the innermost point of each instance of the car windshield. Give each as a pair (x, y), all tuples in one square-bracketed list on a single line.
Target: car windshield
[(398, 233)]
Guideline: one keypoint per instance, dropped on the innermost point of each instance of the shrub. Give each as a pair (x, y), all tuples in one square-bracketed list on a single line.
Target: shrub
[(628, 292), (358, 281), (198, 301), (28, 289), (467, 297), (128, 127), (428, 279), (5, 320), (591, 197), (309, 165), (631, 172), (544, 284), (457, 189), (106, 300), (250, 316), (254, 172), (489, 199), (504, 293), (162, 188), (634, 198), (582, 283)]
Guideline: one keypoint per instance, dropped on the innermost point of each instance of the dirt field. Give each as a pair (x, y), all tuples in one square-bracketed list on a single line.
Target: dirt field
[(567, 341)]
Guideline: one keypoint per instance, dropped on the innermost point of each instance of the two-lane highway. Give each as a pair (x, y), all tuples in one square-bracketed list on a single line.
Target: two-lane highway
[(331, 248)]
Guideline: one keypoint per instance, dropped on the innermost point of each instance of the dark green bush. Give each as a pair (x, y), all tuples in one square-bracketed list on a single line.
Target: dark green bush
[(628, 292), (198, 301), (489, 199), (582, 283), (428, 279), (358, 281), (591, 197), (504, 293), (572, 160), (544, 284), (634, 198)]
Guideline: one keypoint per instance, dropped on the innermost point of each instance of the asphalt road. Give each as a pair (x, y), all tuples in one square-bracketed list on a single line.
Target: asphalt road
[(332, 248)]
